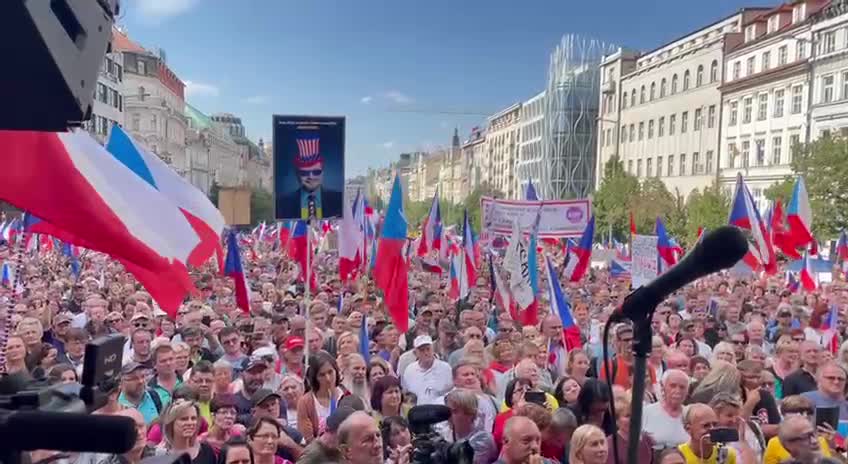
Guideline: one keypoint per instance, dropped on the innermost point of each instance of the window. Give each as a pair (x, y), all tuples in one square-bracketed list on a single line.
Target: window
[(711, 117), (800, 50), (696, 168), (661, 127), (778, 102), (737, 70), (746, 153), (773, 23), (651, 129), (775, 150), (766, 63), (153, 123), (734, 111), (653, 94), (782, 55), (662, 87), (633, 98), (674, 84), (762, 107), (624, 101), (623, 133), (747, 109), (632, 132), (684, 121), (844, 85), (670, 165), (642, 95), (714, 71), (734, 154), (699, 76), (142, 67), (829, 42), (682, 164), (750, 33), (686, 80), (797, 95), (630, 166), (638, 168), (749, 66), (794, 141), (672, 121), (827, 89), (708, 164), (136, 122), (641, 130), (649, 167), (760, 145), (798, 13), (698, 118), (659, 166)]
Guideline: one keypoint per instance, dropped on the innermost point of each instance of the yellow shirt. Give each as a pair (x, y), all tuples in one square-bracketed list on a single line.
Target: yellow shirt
[(550, 402), (776, 453), (713, 459), (205, 411)]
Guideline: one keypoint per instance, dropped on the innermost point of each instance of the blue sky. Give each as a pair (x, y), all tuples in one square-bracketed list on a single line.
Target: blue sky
[(369, 59)]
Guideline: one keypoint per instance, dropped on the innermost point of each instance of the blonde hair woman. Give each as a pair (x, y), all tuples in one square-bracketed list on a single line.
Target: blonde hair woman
[(180, 426), (588, 446), (722, 378), (723, 351), (348, 343)]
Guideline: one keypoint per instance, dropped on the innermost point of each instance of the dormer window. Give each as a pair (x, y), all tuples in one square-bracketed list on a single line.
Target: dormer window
[(773, 23), (750, 32), (799, 12)]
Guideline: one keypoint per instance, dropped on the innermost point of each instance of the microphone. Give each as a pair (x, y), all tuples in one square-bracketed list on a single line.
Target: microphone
[(423, 416), (720, 249), (32, 430)]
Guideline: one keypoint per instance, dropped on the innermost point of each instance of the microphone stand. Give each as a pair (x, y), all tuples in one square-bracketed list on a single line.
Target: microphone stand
[(642, 335)]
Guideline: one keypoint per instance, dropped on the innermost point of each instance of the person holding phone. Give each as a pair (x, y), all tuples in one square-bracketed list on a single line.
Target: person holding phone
[(831, 389)]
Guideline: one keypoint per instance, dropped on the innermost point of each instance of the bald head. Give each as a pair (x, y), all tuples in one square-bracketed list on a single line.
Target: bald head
[(522, 439)]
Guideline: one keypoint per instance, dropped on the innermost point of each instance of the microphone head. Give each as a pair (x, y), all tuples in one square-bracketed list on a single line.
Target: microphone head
[(720, 249)]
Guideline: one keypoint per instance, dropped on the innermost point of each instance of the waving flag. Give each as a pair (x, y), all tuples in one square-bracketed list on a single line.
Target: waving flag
[(665, 248), (8, 275), (792, 283), (431, 229), (561, 306), (632, 224), (829, 325), (744, 214), (69, 252), (390, 270), (364, 345), (842, 251), (350, 239), (580, 256), (807, 276), (233, 269), (530, 194), (620, 266), (780, 237), (469, 252), (520, 287), (454, 290), (799, 215), (302, 253)]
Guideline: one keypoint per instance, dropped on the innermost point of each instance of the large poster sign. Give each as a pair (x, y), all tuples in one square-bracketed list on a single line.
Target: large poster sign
[(560, 218), (308, 166), (643, 267)]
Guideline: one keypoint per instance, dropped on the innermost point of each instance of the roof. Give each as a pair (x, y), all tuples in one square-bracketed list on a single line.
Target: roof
[(198, 119), (122, 43)]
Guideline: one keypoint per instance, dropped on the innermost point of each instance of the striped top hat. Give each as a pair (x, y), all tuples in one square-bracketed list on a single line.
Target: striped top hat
[(308, 152)]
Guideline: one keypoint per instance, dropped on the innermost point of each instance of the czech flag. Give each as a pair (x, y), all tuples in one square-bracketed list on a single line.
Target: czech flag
[(526, 305), (799, 215), (469, 252), (780, 237), (829, 324), (807, 277), (233, 268), (842, 250), (665, 247), (431, 229), (744, 214), (792, 283), (391, 268), (350, 239), (454, 290), (580, 256), (298, 249), (620, 267), (561, 306)]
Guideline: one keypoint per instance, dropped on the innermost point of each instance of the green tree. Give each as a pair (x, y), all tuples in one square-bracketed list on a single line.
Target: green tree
[(415, 211), (261, 206), (655, 200), (781, 191), (708, 208), (824, 166), (213, 193), (472, 205), (614, 200)]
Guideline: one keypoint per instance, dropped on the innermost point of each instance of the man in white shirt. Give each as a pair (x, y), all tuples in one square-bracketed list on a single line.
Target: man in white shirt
[(663, 421), (428, 378)]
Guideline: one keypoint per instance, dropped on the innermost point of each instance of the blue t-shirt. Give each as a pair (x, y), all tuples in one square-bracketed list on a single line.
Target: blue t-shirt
[(821, 401), (147, 407)]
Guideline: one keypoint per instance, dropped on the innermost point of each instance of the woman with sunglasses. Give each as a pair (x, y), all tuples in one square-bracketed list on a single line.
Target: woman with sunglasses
[(181, 427)]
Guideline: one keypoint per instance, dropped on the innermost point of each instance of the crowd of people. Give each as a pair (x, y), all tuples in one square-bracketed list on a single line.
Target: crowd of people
[(741, 356)]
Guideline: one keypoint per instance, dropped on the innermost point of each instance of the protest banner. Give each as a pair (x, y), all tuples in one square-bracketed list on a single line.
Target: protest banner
[(643, 269), (559, 218)]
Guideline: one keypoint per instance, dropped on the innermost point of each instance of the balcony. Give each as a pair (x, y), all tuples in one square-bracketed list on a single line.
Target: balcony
[(608, 87)]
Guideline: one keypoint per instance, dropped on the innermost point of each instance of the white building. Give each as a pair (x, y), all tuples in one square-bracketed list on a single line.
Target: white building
[(154, 102), (531, 130), (502, 137), (765, 97), (475, 154), (211, 154), (829, 111), (108, 107), (668, 113)]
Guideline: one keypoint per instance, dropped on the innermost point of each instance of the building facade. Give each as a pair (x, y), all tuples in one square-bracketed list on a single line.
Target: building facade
[(829, 110), (212, 156), (661, 110), (766, 95), (108, 106), (502, 139), (254, 166), (531, 129), (474, 154)]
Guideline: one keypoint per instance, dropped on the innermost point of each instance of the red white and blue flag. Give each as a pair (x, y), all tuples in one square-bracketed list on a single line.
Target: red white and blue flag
[(620, 266), (807, 276), (842, 251), (469, 252), (580, 256), (799, 215), (665, 247), (350, 246), (780, 237), (561, 306), (234, 269), (744, 214), (455, 286), (792, 283), (391, 267), (301, 251), (432, 245)]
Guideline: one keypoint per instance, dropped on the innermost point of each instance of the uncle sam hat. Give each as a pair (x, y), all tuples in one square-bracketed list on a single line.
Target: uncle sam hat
[(308, 153)]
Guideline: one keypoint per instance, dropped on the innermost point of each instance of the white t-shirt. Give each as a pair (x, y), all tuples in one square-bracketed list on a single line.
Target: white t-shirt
[(666, 431), (427, 384)]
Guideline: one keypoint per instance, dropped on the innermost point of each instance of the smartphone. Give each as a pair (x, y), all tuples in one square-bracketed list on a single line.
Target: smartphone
[(535, 397), (828, 416), (724, 435)]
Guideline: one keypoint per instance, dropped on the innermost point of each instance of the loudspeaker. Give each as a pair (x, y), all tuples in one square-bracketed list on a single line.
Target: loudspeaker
[(54, 50)]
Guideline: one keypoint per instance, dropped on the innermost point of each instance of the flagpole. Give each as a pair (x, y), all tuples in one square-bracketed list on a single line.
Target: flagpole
[(307, 295)]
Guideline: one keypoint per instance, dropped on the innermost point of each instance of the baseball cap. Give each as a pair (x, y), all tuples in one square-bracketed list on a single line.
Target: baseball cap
[(265, 351), (62, 317), (293, 343), (131, 367), (254, 361), (262, 395), (422, 340), (426, 309), (138, 316), (337, 417)]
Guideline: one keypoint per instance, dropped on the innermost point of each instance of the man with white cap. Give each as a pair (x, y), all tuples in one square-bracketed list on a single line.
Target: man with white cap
[(428, 378)]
